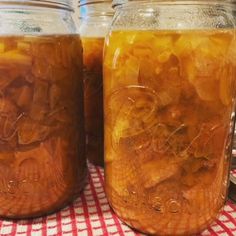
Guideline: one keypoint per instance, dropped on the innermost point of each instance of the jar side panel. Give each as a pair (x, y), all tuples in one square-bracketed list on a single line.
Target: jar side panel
[(42, 156), (151, 16), (35, 21), (93, 95), (168, 107)]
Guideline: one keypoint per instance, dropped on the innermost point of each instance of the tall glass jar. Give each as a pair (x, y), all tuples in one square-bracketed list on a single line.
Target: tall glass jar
[(234, 15), (95, 19), (232, 187), (42, 138), (168, 101)]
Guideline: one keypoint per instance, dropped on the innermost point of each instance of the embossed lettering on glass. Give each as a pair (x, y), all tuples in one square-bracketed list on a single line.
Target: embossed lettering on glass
[(168, 102)]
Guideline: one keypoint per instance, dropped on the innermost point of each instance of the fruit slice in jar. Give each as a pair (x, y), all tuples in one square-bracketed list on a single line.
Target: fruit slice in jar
[(163, 77), (207, 65), (130, 112)]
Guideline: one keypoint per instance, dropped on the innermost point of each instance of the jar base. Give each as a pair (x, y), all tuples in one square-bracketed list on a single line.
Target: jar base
[(49, 212)]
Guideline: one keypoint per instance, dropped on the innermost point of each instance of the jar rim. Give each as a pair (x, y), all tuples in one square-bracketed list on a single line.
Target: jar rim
[(87, 2), (116, 3), (57, 4)]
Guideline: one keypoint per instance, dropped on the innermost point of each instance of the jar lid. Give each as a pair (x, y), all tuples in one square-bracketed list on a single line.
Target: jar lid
[(86, 2), (60, 4)]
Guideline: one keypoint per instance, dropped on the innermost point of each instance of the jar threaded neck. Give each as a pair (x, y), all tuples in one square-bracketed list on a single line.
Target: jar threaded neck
[(58, 4)]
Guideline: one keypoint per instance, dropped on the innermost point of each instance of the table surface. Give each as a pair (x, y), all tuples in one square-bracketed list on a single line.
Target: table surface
[(90, 214)]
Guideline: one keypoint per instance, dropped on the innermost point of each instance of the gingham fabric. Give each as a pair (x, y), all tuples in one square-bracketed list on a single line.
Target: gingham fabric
[(91, 215)]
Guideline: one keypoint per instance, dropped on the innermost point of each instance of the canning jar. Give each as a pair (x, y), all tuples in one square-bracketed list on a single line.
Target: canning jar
[(168, 102), (42, 138), (232, 186), (95, 17)]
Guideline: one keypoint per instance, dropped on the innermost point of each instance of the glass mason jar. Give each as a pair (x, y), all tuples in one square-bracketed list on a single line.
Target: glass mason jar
[(234, 14), (232, 187), (168, 102), (95, 17), (42, 138)]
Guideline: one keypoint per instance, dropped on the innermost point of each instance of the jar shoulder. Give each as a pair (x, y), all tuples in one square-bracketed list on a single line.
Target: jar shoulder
[(171, 17), (35, 22)]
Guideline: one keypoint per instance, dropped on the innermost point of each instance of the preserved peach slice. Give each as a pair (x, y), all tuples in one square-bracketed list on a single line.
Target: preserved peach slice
[(157, 170), (167, 78), (130, 73), (7, 157), (30, 131), (14, 58), (7, 107), (199, 73), (187, 43), (147, 70), (40, 91), (24, 46), (141, 52), (131, 111), (163, 43), (232, 52), (54, 96), (120, 49), (6, 78), (200, 170), (207, 90), (40, 109), (220, 43), (41, 69), (203, 190), (22, 96), (226, 82), (2, 47)]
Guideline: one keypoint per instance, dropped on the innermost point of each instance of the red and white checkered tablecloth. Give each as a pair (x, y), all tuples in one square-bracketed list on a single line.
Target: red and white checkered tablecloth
[(91, 215)]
